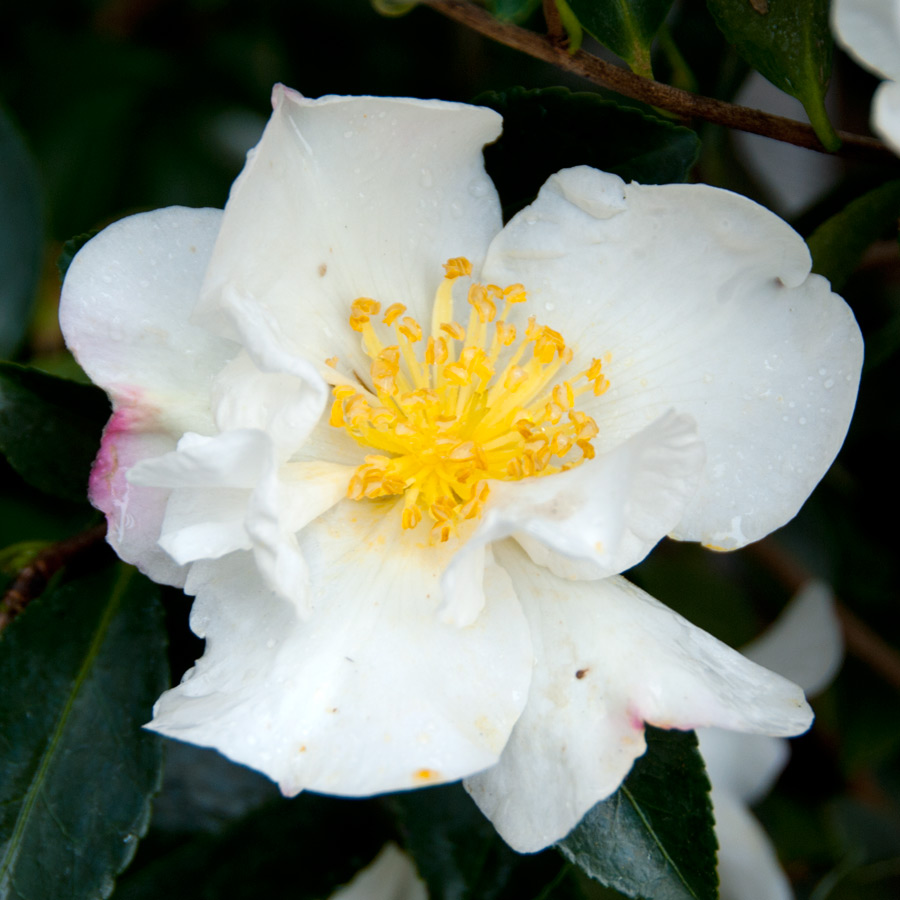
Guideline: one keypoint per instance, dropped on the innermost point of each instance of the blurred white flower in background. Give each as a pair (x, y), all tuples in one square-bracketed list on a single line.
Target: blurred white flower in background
[(869, 30), (805, 645)]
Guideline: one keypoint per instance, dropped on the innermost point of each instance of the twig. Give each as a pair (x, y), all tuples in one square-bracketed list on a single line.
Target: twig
[(556, 33), (31, 581), (860, 639), (682, 103)]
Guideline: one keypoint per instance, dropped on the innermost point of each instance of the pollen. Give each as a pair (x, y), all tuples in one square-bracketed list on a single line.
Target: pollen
[(448, 408)]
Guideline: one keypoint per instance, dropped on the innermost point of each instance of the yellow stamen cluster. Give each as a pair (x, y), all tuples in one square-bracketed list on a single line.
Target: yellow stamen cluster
[(446, 419)]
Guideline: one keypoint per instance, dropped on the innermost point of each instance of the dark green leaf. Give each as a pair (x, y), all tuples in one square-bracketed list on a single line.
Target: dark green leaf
[(461, 857), (513, 10), (627, 27), (50, 429), (838, 244), (297, 849), (654, 837), (21, 236), (790, 43), (70, 248), (80, 669), (550, 129)]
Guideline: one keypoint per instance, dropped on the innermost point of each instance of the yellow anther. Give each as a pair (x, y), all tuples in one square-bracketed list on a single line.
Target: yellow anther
[(483, 305), (365, 306), (411, 329), (384, 370), (332, 361), (456, 373), (392, 312), (411, 517), (337, 414), (515, 293), (457, 267), (454, 329), (445, 421), (506, 333), (515, 378)]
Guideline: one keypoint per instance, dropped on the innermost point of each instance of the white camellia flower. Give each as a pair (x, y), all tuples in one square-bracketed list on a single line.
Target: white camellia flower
[(400, 452), (870, 31), (806, 645)]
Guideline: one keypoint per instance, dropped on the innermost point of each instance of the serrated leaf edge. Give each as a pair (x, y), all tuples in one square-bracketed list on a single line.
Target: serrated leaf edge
[(31, 795), (665, 853)]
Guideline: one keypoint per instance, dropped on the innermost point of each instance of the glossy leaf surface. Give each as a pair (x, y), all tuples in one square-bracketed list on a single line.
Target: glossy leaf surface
[(654, 837), (80, 670)]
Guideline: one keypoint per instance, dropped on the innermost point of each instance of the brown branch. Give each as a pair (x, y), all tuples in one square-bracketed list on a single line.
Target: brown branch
[(861, 640), (682, 103), (32, 580)]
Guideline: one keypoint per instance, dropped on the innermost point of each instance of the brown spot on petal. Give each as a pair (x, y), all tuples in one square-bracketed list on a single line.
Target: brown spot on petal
[(322, 270), (581, 673)]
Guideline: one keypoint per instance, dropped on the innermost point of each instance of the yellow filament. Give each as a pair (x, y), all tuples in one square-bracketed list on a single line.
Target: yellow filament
[(439, 427)]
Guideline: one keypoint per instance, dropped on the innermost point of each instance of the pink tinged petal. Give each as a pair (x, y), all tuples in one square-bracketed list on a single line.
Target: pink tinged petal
[(748, 865), (134, 513), (348, 197), (392, 876), (372, 693), (597, 519), (805, 643), (608, 658), (125, 310), (705, 302)]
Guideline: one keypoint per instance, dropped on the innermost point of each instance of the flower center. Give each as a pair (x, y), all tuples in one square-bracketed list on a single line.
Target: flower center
[(449, 411)]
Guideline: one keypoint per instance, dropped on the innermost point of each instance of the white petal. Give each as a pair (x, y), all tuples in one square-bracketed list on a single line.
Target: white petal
[(870, 31), (235, 459), (124, 312), (609, 658), (744, 765), (228, 496), (705, 303), (347, 197), (285, 406), (372, 693), (748, 866), (886, 111), (604, 515), (392, 876), (134, 513), (805, 643)]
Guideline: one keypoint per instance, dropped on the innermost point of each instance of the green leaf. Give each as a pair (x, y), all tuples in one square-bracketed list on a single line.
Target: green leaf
[(70, 248), (627, 27), (80, 669), (654, 837), (21, 236), (461, 857), (297, 849), (789, 42), (550, 129), (513, 10), (50, 429), (838, 244)]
